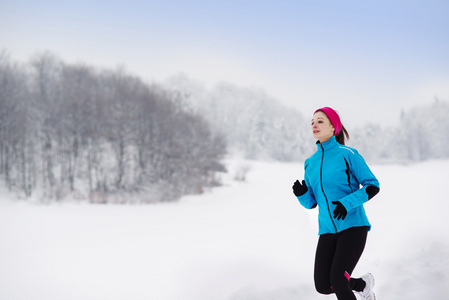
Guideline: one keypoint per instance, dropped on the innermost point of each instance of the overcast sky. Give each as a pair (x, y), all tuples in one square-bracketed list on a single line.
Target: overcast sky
[(366, 58)]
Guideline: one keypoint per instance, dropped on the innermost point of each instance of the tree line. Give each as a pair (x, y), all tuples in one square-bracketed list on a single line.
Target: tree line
[(103, 135), (259, 127)]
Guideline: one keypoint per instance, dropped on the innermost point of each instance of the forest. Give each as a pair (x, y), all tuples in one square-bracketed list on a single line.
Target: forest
[(100, 135), (107, 136)]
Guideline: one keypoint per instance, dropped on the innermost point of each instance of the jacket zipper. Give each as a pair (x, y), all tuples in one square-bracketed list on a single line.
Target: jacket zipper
[(322, 189)]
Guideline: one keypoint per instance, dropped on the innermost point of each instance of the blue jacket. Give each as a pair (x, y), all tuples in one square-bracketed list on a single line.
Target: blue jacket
[(337, 173)]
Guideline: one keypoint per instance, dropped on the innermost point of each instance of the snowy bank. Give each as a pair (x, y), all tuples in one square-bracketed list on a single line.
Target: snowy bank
[(246, 240)]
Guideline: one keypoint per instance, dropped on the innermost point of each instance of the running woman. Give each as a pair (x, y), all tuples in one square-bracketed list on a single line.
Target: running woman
[(338, 181)]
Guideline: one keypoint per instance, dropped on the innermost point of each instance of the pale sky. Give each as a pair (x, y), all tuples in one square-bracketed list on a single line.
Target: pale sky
[(366, 58)]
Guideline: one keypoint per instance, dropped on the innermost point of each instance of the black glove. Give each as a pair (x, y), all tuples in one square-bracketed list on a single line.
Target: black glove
[(340, 211), (299, 189)]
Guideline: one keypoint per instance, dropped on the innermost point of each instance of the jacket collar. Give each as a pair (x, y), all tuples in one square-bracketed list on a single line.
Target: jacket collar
[(331, 143)]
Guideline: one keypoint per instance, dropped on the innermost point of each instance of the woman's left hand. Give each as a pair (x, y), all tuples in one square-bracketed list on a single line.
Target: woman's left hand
[(340, 211)]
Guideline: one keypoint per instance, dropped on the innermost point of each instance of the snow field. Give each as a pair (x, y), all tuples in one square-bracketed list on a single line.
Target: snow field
[(246, 240)]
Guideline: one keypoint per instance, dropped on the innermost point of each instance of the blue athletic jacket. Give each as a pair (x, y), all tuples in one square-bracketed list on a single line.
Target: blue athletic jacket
[(337, 173)]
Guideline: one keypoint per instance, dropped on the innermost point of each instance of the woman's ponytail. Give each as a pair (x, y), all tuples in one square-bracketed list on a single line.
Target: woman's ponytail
[(342, 136)]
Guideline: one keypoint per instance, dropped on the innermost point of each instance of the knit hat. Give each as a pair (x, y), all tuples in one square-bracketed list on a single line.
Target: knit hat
[(333, 117)]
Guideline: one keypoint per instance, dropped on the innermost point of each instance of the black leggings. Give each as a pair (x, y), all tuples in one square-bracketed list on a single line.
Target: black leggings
[(336, 257)]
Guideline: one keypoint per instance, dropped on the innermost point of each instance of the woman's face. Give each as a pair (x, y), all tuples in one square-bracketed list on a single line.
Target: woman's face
[(322, 128)]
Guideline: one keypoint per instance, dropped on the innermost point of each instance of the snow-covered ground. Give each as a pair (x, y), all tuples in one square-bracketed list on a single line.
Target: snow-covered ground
[(243, 241)]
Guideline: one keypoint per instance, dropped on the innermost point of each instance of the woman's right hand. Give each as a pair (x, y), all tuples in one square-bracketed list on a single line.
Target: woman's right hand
[(299, 189)]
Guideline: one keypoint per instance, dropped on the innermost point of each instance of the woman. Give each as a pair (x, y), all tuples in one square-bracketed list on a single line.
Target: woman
[(332, 180)]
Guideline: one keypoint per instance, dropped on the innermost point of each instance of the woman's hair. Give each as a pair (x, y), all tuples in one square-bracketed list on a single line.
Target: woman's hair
[(343, 136)]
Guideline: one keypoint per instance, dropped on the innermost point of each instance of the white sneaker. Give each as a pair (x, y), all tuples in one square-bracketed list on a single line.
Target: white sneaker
[(367, 293)]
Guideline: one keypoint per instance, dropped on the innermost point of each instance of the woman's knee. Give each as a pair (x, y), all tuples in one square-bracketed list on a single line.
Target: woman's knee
[(323, 288)]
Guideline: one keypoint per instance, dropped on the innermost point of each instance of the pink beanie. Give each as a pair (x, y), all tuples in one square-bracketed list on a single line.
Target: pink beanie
[(333, 117)]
